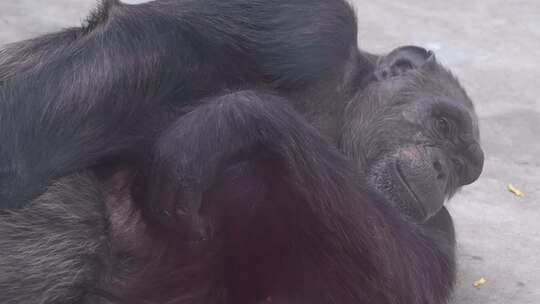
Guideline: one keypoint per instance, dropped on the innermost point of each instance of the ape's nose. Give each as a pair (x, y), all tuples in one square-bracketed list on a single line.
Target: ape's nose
[(440, 173), (439, 170)]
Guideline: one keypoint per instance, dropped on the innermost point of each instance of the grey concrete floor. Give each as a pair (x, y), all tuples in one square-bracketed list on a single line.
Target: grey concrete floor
[(493, 46)]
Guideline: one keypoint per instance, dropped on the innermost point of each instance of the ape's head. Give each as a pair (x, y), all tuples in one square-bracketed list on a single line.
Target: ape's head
[(414, 131)]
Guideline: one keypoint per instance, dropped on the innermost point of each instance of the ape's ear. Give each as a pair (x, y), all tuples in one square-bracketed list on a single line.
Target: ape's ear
[(401, 60)]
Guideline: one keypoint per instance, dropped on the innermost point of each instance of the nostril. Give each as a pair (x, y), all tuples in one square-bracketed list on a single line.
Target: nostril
[(438, 167)]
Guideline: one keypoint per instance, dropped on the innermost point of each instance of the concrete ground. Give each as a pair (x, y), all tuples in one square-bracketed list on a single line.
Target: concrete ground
[(494, 48)]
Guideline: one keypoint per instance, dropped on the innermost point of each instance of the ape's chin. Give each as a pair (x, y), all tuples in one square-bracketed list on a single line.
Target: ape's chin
[(401, 191), (401, 198), (407, 198)]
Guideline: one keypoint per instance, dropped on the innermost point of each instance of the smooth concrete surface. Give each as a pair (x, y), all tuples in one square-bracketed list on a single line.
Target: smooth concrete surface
[(493, 46)]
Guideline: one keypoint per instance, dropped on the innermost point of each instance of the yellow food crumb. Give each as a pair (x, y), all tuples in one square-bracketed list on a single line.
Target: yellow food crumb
[(480, 282), (512, 189)]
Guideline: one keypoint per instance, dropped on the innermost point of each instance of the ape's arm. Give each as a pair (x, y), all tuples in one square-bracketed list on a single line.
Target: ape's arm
[(299, 225), (73, 99), (200, 145)]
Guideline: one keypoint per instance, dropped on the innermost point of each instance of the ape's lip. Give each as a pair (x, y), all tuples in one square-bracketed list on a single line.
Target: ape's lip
[(412, 195)]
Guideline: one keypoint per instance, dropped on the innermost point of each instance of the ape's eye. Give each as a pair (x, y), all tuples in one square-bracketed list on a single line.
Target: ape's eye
[(443, 126)]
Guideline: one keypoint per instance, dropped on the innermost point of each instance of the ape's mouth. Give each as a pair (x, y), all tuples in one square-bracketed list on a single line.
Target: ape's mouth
[(412, 197)]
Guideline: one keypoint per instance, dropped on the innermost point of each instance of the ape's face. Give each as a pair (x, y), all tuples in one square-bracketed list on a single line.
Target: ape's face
[(416, 136)]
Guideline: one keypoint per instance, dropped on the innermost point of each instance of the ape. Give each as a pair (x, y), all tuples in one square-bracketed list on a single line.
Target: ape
[(245, 125)]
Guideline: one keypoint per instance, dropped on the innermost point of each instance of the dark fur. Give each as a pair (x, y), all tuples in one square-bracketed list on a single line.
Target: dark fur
[(176, 103), (54, 251), (136, 64)]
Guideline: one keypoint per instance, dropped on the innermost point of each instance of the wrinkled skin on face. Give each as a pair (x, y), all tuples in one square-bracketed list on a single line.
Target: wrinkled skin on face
[(414, 131)]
